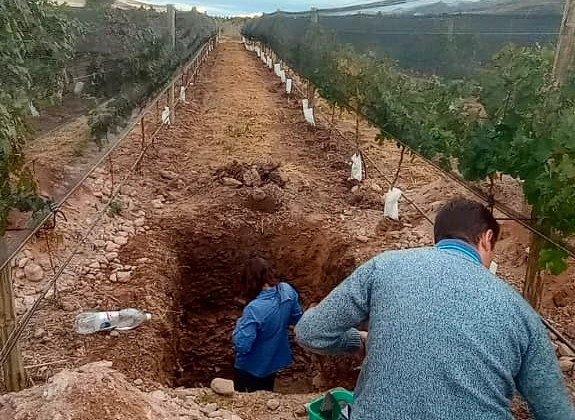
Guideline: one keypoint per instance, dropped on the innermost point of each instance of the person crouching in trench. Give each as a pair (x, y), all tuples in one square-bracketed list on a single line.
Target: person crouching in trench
[(261, 336)]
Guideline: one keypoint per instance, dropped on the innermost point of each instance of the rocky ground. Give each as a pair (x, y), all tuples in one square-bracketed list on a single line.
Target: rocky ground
[(238, 174)]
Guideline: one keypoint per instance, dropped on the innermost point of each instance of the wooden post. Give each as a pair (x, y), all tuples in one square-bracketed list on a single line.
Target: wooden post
[(172, 25), (14, 374), (565, 50), (565, 44)]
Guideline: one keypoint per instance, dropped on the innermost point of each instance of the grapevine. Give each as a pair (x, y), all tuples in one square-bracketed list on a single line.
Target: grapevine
[(526, 129)]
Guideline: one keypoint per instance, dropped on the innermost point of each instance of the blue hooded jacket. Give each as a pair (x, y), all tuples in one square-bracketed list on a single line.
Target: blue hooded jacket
[(261, 336)]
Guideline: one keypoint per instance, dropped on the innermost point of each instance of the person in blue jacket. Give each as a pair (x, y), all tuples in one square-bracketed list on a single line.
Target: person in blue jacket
[(261, 336)]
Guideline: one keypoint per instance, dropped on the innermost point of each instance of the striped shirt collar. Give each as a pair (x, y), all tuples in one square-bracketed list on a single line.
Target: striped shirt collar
[(460, 246)]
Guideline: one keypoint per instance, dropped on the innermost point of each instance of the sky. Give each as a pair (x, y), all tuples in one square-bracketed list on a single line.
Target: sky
[(254, 7)]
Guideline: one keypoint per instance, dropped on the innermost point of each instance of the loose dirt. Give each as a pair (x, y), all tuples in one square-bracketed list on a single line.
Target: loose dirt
[(238, 174)]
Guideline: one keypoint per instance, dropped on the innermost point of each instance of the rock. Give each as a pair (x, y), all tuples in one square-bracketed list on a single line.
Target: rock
[(168, 174), (300, 411), (235, 417), (375, 187), (278, 177), (252, 178), (113, 278), (157, 204), (95, 265), (128, 229), (20, 273), (99, 243), (143, 260), (28, 254), (114, 333), (267, 199), (231, 182), (140, 222), (39, 333), (111, 256), (355, 189), (102, 260), (112, 246), (23, 261), (120, 240), (564, 350), (362, 238), (138, 382), (566, 364), (216, 414), (123, 276), (272, 404), (209, 408), (67, 306), (195, 415), (33, 272), (222, 386), (159, 395)]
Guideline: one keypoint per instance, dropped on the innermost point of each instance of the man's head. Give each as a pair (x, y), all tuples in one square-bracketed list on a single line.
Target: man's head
[(471, 222)]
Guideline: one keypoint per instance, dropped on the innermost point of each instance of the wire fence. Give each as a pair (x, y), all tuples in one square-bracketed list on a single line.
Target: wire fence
[(87, 74)]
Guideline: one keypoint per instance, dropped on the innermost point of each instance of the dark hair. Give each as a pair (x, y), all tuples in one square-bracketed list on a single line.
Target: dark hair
[(257, 272), (466, 220)]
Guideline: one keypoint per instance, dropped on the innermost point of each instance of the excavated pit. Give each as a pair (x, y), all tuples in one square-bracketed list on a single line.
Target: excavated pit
[(210, 260)]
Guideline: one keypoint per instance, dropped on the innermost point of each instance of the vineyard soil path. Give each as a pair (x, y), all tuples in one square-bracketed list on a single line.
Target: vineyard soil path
[(192, 215)]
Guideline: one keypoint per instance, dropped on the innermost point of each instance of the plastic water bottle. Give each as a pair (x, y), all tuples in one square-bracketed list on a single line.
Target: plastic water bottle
[(126, 319)]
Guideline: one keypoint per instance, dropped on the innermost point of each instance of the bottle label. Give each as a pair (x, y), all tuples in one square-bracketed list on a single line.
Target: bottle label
[(105, 325)]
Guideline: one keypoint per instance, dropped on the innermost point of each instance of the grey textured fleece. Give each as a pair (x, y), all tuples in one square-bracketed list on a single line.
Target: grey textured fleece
[(447, 340)]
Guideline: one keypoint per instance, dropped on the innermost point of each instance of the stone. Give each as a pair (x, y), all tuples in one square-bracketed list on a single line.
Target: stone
[(235, 417), (222, 386), (120, 240), (23, 261), (138, 382), (157, 204), (566, 364), (300, 411), (143, 260), (375, 187), (102, 260), (39, 333), (128, 229), (355, 189), (195, 415), (252, 178), (95, 265), (33, 272), (114, 333), (209, 408), (159, 395), (123, 276), (215, 415), (362, 238), (20, 273), (168, 174), (99, 243), (112, 246), (564, 350), (111, 256), (231, 182), (272, 404), (113, 278), (140, 222)]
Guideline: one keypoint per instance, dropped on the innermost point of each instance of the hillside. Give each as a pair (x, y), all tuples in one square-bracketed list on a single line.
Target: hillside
[(427, 7), (493, 7)]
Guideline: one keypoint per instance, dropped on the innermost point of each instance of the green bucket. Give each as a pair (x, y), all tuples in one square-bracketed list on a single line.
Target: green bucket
[(314, 407)]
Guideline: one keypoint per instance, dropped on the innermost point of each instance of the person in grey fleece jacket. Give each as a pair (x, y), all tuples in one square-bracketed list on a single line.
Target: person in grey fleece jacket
[(448, 340)]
